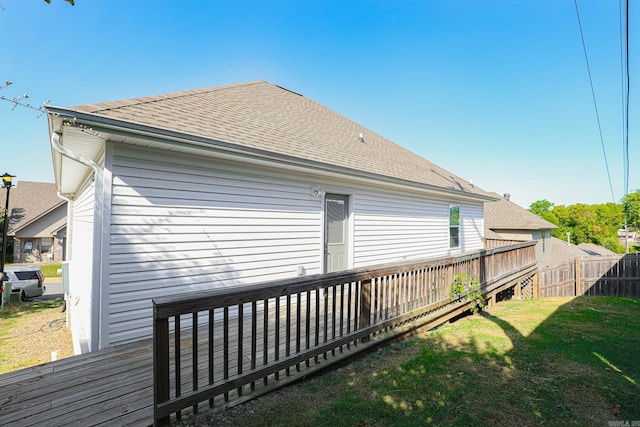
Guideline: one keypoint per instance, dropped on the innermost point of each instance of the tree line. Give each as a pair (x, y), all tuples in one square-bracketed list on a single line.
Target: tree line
[(597, 223)]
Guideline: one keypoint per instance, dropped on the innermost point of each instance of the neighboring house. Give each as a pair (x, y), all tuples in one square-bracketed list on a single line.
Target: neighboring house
[(37, 222), (505, 222), (632, 236), (236, 185)]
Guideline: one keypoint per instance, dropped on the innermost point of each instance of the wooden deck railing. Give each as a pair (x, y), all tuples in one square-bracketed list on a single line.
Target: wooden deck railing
[(617, 275), (225, 346)]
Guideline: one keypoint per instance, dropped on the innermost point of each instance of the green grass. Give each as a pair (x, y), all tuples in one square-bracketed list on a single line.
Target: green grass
[(552, 362), (51, 270)]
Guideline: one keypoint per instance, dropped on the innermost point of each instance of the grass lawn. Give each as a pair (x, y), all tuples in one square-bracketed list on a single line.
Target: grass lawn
[(29, 332), (51, 270), (550, 361)]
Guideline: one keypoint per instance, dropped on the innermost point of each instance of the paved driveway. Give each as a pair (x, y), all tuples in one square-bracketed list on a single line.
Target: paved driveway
[(53, 289)]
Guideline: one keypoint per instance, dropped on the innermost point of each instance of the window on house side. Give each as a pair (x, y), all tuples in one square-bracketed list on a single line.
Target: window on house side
[(47, 242), (454, 226)]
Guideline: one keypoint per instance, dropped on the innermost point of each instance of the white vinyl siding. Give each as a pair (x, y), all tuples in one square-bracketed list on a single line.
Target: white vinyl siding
[(471, 226), (179, 225), (391, 228), (80, 258)]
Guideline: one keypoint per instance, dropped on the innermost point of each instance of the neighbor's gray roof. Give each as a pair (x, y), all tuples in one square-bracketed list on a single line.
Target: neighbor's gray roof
[(595, 250), (506, 215), (29, 201), (559, 252), (263, 116)]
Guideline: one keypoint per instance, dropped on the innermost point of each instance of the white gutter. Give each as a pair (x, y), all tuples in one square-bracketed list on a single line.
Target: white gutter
[(96, 273), (55, 143)]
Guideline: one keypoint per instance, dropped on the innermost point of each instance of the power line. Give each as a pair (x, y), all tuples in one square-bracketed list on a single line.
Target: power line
[(625, 85), (626, 92), (595, 105), (623, 92)]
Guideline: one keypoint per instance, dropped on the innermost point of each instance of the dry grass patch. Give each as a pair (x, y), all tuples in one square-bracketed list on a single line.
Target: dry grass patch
[(30, 331)]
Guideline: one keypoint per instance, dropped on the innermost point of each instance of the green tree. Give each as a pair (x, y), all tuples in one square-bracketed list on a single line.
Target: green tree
[(631, 203), (597, 223), (544, 209)]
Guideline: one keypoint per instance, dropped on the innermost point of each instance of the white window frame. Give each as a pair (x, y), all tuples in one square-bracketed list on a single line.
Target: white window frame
[(451, 245)]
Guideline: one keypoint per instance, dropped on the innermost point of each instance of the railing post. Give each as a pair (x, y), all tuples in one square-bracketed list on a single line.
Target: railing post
[(160, 368), (365, 306)]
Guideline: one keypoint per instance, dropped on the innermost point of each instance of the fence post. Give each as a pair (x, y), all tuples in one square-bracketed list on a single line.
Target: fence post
[(536, 285), (578, 291), (160, 368), (365, 306)]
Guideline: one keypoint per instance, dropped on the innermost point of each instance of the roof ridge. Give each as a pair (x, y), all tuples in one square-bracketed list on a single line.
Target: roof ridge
[(142, 100)]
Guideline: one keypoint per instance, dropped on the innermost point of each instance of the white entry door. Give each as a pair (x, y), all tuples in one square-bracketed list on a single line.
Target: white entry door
[(336, 233)]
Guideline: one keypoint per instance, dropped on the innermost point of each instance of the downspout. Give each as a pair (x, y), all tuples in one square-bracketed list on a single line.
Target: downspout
[(65, 255), (97, 233), (67, 246), (55, 138)]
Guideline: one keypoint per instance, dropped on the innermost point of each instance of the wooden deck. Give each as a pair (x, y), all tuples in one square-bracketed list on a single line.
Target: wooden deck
[(114, 387), (111, 387)]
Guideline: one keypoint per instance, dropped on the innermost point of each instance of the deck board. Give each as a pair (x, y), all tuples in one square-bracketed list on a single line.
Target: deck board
[(83, 390)]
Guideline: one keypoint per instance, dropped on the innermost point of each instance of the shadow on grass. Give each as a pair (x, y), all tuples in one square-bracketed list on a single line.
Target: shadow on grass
[(550, 361), (22, 308), (577, 365)]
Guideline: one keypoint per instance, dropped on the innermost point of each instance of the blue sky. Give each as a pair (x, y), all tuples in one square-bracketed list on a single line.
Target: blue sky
[(496, 92)]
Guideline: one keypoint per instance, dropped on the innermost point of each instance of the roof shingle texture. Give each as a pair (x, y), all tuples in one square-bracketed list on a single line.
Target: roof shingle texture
[(504, 214), (264, 116), (559, 252), (29, 201)]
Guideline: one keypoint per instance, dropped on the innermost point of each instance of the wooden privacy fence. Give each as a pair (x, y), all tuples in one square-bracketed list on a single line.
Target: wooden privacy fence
[(607, 276), (218, 348), (497, 243)]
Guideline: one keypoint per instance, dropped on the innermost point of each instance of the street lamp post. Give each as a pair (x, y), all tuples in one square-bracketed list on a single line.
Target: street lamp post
[(6, 183)]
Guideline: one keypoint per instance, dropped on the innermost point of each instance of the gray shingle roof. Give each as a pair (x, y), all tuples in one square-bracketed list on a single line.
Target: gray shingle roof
[(29, 201), (263, 116), (595, 250), (506, 215), (559, 252)]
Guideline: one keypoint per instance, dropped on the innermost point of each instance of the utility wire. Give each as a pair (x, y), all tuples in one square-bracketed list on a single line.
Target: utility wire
[(595, 105), (624, 81), (623, 92), (626, 94)]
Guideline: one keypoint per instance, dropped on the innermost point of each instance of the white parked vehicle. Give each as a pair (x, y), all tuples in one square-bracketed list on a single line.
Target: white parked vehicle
[(26, 281)]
